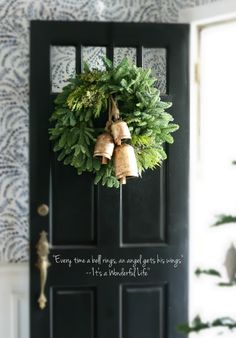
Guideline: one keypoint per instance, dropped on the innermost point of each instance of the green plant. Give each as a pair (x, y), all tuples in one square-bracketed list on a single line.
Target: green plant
[(198, 325), (85, 99)]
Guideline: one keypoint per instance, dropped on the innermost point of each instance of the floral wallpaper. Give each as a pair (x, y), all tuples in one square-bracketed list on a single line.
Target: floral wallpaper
[(15, 16)]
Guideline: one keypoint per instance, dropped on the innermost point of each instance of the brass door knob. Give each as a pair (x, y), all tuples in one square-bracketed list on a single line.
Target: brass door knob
[(43, 209)]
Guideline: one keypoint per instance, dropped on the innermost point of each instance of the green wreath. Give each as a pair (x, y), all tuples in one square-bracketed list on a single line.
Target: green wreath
[(85, 100)]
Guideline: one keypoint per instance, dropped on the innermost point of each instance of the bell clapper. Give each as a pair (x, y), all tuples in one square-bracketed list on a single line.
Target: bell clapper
[(104, 160), (123, 180)]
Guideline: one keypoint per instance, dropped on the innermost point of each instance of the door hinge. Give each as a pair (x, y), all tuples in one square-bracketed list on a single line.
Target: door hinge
[(197, 72)]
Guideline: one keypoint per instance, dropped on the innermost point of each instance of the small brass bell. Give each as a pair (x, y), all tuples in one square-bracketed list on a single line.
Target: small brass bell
[(104, 147), (125, 162), (120, 132)]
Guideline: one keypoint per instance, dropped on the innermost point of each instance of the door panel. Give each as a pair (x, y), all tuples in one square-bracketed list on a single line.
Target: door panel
[(74, 196), (146, 198), (74, 312), (143, 311), (147, 217)]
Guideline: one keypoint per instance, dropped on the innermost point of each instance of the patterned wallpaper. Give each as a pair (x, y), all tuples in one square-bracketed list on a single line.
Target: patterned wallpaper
[(15, 16)]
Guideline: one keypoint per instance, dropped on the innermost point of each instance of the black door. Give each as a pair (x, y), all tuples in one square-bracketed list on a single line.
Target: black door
[(147, 218)]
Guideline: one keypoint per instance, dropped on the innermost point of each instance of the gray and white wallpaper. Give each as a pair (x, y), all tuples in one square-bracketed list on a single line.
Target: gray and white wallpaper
[(15, 16)]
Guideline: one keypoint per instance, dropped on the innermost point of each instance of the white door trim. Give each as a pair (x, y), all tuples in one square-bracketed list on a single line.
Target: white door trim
[(14, 300)]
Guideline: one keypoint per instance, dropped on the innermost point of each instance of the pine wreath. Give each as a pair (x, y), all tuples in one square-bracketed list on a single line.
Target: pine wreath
[(96, 95)]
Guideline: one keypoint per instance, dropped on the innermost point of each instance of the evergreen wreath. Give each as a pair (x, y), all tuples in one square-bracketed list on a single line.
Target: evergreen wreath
[(86, 99)]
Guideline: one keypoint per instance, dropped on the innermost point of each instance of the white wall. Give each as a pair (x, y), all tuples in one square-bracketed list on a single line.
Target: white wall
[(14, 298)]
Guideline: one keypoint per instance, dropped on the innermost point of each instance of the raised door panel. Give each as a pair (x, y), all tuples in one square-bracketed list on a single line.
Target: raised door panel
[(73, 313), (144, 209), (143, 311), (74, 212)]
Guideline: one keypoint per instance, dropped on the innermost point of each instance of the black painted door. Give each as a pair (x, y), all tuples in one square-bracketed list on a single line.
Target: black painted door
[(147, 218)]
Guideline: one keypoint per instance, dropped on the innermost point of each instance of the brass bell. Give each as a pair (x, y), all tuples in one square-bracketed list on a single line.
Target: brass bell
[(120, 132), (125, 162), (104, 147)]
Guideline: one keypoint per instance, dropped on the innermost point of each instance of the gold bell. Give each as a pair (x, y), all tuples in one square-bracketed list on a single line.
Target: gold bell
[(104, 147), (125, 162), (120, 132)]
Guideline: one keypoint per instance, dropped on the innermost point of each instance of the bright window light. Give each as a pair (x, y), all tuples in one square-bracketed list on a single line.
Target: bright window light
[(214, 176)]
